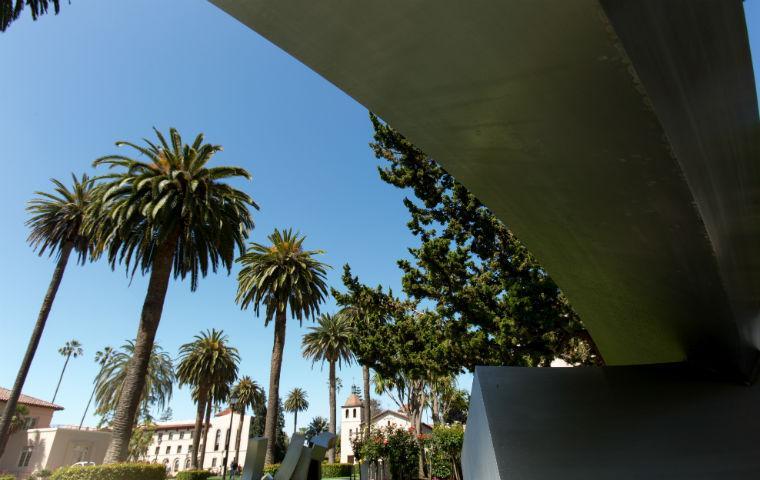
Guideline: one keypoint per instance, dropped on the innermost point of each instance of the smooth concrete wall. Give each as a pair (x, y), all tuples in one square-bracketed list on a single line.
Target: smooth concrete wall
[(643, 422)]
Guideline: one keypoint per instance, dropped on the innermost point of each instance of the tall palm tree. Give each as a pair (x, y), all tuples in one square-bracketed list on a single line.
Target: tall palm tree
[(72, 348), (166, 212), (296, 401), (279, 276), (10, 10), (205, 363), (218, 394), (330, 341), (111, 384), (102, 357), (56, 228), (248, 394)]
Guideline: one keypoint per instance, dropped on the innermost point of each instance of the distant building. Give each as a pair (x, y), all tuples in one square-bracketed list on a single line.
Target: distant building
[(351, 424), (37, 445), (172, 443)]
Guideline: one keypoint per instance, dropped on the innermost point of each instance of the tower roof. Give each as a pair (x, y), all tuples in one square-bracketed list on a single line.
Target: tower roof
[(353, 400)]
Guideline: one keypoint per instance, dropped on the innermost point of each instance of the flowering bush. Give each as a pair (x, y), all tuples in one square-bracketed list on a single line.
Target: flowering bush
[(395, 447)]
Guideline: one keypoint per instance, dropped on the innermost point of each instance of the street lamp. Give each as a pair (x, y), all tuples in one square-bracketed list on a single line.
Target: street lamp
[(233, 405)]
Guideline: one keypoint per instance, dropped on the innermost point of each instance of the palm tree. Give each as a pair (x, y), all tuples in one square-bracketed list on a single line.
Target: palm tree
[(206, 363), (10, 10), (316, 426), (72, 348), (102, 357), (279, 276), (111, 383), (218, 394), (330, 342), (296, 401), (248, 394), (167, 212), (56, 228)]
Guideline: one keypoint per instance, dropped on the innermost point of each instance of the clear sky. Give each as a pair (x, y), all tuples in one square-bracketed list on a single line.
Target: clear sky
[(102, 71)]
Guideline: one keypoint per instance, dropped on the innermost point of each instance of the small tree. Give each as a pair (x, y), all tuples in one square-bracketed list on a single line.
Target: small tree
[(296, 401), (72, 348)]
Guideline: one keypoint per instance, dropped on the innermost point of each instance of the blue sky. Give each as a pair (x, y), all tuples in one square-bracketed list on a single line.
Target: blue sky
[(102, 71)]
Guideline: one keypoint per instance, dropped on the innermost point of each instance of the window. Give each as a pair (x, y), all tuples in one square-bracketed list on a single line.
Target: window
[(30, 422), (26, 455), (187, 463), (179, 448), (389, 423), (346, 413), (350, 432), (160, 436), (181, 435), (157, 450), (189, 449), (213, 462), (176, 464), (350, 459), (168, 449), (216, 439), (171, 435), (354, 413), (227, 438)]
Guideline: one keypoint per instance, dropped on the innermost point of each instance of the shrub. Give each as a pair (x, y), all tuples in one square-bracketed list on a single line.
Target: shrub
[(193, 475), (44, 473), (332, 470), (271, 468), (5, 476), (114, 471), (445, 445), (403, 453)]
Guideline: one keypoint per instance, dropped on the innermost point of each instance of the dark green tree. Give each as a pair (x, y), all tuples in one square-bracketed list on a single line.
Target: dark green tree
[(494, 298)]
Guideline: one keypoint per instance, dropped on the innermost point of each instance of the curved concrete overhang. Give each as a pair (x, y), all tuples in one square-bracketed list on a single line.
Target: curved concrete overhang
[(617, 139)]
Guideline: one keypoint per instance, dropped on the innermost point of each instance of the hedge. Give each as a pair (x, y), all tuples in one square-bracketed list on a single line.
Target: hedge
[(7, 477), (193, 475), (271, 468), (114, 471), (333, 470)]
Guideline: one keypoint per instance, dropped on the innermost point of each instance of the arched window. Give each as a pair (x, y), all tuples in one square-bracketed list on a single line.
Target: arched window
[(354, 413), (217, 438), (176, 464), (346, 413), (187, 463)]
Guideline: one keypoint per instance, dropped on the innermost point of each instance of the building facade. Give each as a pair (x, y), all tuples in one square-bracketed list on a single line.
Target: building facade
[(172, 443), (38, 446), (351, 424)]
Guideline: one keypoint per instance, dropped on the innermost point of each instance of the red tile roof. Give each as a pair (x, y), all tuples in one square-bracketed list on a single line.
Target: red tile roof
[(27, 400)]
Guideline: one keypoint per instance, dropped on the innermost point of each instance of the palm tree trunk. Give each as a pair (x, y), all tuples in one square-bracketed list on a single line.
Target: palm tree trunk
[(295, 421), (270, 424), (134, 382), (206, 428), (34, 341), (60, 378), (87, 407), (239, 434), (366, 410), (202, 401), (331, 427)]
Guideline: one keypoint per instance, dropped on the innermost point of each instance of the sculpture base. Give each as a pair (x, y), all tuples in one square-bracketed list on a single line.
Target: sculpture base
[(658, 421)]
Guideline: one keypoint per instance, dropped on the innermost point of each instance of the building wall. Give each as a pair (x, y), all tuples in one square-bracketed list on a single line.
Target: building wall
[(51, 448), (175, 444), (40, 417)]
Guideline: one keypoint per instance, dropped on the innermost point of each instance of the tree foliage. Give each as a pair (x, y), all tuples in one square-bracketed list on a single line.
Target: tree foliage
[(10, 10), (109, 383), (497, 305)]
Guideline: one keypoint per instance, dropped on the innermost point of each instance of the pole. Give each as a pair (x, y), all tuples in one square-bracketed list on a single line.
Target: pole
[(227, 444)]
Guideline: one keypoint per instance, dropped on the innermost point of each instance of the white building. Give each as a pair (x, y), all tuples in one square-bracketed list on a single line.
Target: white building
[(172, 443), (38, 446), (351, 424)]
